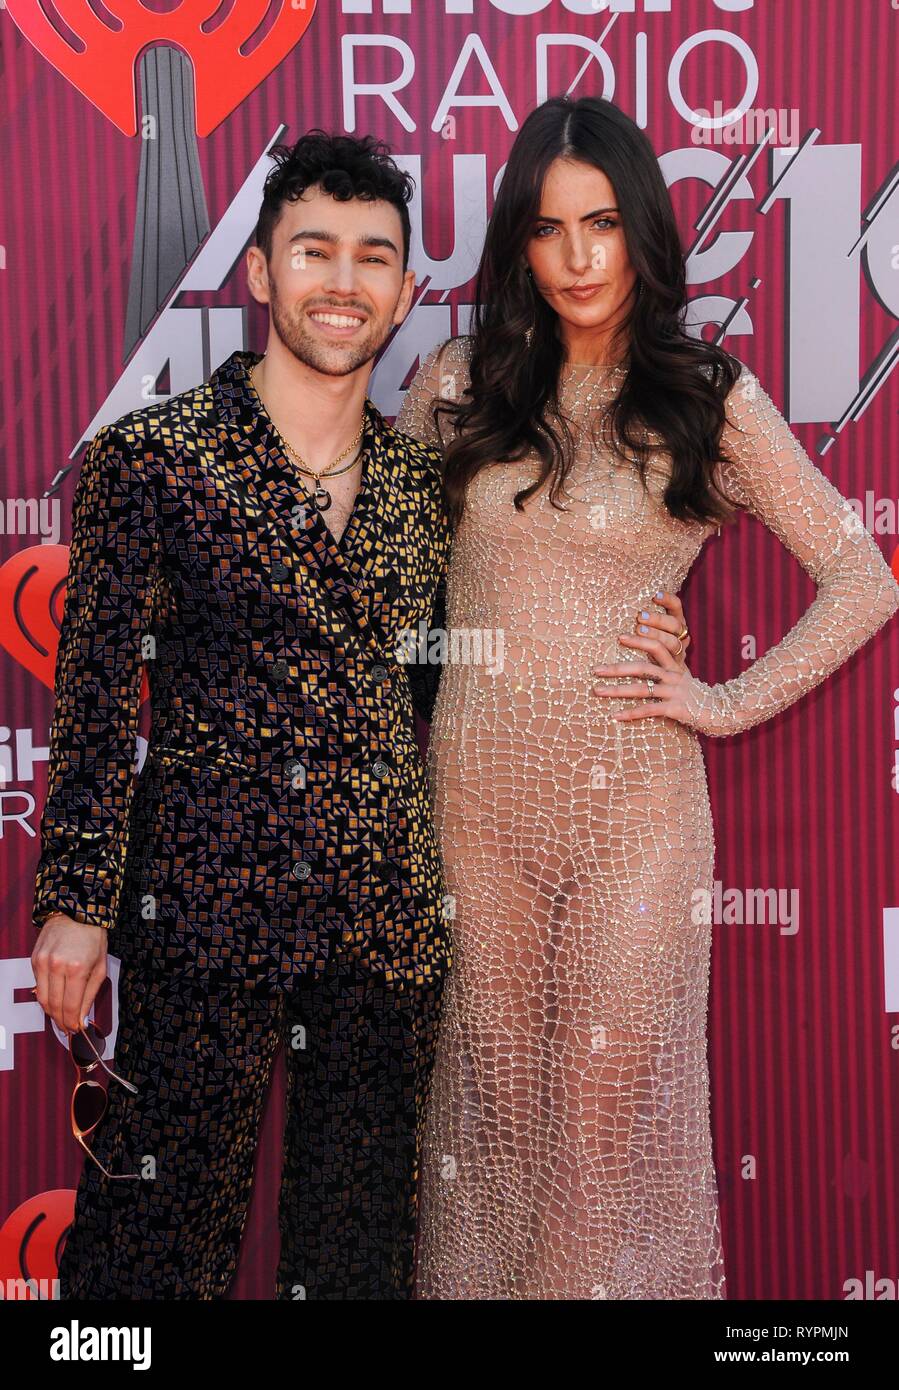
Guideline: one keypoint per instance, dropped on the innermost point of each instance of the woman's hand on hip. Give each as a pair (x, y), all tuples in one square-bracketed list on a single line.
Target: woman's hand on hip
[(661, 637)]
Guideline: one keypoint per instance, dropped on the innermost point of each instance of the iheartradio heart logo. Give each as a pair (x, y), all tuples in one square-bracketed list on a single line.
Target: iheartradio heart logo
[(31, 1241), (32, 602), (98, 54), (32, 594)]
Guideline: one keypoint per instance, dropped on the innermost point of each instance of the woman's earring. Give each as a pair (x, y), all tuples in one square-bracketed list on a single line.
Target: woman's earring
[(529, 333)]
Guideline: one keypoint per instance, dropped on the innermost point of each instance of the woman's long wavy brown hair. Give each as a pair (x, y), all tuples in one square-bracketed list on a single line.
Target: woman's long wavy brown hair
[(675, 384)]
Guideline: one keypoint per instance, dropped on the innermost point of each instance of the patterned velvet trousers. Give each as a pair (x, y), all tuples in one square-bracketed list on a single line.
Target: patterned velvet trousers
[(359, 1053)]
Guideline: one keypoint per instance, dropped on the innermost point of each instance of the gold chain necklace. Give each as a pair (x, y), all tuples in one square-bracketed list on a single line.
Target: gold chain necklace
[(320, 496)]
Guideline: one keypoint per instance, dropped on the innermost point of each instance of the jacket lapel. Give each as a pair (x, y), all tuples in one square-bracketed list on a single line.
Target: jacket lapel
[(349, 569)]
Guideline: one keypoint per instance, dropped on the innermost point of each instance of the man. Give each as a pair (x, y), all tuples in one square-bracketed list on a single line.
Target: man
[(259, 543)]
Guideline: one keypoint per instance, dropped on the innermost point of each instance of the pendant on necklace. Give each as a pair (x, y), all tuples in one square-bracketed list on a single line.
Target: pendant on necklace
[(321, 497)]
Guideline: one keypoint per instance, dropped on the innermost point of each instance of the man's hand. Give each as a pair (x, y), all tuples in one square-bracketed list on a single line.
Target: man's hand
[(69, 963)]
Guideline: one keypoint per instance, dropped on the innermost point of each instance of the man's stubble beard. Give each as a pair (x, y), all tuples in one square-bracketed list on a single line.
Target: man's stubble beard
[(310, 351)]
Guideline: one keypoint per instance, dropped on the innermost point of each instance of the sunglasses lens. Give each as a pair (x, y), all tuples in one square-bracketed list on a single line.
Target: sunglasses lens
[(86, 1050), (89, 1105), (82, 1051)]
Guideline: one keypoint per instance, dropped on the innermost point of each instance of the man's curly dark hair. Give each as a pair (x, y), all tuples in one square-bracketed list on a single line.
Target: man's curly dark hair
[(343, 166)]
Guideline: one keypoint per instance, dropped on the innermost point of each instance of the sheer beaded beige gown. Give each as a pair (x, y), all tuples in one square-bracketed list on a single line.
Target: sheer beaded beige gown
[(568, 1152)]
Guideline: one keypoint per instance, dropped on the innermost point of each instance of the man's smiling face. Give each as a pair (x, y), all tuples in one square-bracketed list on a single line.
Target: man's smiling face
[(335, 281)]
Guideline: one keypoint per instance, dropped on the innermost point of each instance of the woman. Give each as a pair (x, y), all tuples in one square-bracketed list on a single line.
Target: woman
[(568, 1150)]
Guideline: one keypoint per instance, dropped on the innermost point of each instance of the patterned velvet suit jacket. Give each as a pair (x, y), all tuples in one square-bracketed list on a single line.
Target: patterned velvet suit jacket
[(281, 813)]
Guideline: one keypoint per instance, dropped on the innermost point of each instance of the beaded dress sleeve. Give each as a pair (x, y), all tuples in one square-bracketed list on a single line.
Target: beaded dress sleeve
[(773, 477)]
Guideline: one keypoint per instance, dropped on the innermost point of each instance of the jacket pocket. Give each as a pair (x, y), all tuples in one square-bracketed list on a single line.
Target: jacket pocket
[(171, 757)]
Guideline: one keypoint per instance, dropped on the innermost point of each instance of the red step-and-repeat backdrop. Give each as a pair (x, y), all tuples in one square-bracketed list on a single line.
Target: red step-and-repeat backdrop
[(135, 142)]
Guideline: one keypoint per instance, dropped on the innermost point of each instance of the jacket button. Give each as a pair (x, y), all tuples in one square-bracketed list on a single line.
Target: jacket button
[(379, 768), (379, 672), (301, 869), (278, 670), (384, 869), (392, 585), (279, 570)]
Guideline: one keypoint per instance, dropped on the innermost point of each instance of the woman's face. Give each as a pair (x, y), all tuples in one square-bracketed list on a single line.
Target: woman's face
[(578, 240)]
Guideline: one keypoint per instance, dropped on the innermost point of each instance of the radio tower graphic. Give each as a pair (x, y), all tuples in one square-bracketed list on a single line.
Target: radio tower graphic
[(198, 61)]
